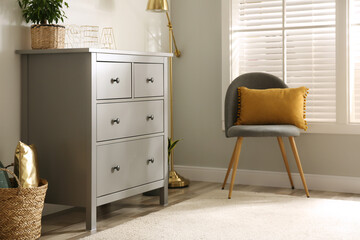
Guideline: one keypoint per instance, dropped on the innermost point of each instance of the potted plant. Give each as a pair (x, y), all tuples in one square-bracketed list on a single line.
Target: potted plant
[(44, 13)]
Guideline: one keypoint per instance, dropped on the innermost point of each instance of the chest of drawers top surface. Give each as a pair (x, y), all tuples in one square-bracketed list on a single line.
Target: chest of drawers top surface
[(94, 50)]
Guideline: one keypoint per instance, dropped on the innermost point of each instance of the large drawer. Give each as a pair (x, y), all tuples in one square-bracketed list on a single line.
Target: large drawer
[(118, 120), (113, 80), (129, 164), (149, 79)]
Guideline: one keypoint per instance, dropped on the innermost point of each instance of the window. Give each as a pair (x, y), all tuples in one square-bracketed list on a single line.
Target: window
[(305, 43), (355, 61)]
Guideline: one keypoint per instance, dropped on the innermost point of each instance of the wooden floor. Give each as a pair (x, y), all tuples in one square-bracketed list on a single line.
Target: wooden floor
[(70, 224)]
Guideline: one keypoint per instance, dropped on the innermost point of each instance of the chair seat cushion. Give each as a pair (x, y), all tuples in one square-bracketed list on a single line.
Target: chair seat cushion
[(263, 131)]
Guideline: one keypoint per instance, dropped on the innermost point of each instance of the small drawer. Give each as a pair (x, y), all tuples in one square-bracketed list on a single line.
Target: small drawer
[(149, 80), (118, 120), (113, 80), (124, 165)]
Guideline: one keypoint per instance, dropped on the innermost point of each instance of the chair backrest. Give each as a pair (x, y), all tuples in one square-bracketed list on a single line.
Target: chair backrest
[(256, 80)]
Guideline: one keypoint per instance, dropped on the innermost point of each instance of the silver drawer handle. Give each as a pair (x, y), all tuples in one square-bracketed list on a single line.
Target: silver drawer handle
[(151, 160), (117, 80), (117, 168), (150, 80), (150, 117), (116, 120)]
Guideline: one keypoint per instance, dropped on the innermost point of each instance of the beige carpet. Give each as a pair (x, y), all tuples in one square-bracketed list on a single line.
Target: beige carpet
[(246, 216)]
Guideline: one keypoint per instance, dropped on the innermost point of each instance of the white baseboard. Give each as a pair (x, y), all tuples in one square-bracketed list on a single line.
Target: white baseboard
[(273, 179)]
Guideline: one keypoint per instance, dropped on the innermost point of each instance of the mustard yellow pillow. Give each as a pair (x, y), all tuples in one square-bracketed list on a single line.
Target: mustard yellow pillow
[(272, 106)]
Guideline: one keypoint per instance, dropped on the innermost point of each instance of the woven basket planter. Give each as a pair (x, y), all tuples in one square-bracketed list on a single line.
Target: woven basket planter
[(46, 36), (21, 210)]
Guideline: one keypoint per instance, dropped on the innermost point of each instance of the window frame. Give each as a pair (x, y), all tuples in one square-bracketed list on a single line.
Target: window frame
[(342, 124)]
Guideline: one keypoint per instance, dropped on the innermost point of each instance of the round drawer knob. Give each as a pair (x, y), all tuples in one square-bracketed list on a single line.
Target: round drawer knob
[(115, 120), (150, 80), (150, 117), (117, 80), (151, 160), (117, 168)]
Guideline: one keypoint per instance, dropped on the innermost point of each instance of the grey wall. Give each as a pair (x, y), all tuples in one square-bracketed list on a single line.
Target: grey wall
[(197, 107), (13, 35)]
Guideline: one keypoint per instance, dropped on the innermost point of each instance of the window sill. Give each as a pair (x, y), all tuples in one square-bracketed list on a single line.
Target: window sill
[(327, 128), (332, 128)]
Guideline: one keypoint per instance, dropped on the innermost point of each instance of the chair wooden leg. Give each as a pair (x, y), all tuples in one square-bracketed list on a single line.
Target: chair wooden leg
[(283, 153), (298, 163), (235, 163), (231, 163)]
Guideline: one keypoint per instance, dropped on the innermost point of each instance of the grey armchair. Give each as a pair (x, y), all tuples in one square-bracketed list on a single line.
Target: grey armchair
[(257, 81)]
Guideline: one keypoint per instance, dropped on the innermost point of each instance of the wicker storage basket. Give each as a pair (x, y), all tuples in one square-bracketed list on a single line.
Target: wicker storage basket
[(21, 210), (47, 36)]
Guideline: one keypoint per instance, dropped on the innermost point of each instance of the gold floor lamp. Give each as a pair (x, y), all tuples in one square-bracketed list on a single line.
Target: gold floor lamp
[(175, 180)]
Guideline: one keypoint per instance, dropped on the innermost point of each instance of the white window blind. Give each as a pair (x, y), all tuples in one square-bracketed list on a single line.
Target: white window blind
[(354, 50), (257, 37), (293, 40)]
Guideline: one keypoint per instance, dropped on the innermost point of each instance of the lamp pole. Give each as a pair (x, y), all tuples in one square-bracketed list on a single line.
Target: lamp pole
[(171, 36)]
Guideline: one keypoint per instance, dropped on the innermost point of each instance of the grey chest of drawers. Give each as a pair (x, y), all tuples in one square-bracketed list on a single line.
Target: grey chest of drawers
[(99, 121)]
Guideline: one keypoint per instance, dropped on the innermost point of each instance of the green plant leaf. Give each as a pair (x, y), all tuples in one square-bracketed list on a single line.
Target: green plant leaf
[(171, 145), (43, 11), (174, 144)]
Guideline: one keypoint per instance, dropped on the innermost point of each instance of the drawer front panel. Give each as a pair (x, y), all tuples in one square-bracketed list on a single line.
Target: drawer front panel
[(118, 120), (124, 165), (113, 80), (149, 80)]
